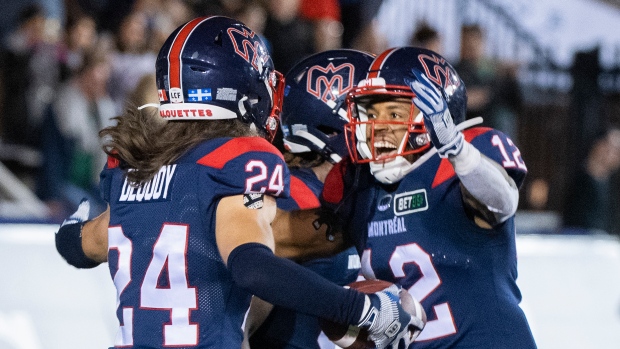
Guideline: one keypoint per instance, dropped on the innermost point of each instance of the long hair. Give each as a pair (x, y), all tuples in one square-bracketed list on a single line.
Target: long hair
[(143, 142)]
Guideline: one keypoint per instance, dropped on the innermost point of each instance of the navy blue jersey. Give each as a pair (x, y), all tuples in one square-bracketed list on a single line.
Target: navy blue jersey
[(173, 287), (285, 328), (419, 236), (305, 191)]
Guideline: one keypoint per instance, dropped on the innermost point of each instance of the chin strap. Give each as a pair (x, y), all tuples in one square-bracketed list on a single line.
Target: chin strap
[(149, 105)]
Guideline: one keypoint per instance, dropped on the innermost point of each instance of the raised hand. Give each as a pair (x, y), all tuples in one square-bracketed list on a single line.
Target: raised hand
[(437, 119)]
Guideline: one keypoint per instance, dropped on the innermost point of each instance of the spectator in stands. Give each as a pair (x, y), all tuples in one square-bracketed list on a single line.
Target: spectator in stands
[(325, 17), (80, 37), (291, 37), (254, 15), (426, 37), (72, 154), (492, 88), (132, 60), (30, 75), (360, 30), (591, 201)]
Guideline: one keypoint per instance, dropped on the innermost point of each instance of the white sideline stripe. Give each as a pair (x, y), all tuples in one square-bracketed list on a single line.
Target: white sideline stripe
[(568, 246), (28, 234)]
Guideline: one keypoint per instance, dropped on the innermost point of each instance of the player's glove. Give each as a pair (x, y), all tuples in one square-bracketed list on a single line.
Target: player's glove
[(69, 238), (437, 119), (389, 325), (80, 215)]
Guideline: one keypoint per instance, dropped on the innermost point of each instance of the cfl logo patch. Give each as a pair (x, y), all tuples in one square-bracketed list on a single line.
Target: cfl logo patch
[(176, 95)]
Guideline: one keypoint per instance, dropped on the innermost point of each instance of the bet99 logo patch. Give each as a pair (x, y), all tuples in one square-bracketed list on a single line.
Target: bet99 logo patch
[(410, 202)]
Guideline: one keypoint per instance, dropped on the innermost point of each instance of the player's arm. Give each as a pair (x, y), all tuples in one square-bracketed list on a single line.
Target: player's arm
[(488, 191), (245, 242), (297, 238), (95, 237), (81, 242)]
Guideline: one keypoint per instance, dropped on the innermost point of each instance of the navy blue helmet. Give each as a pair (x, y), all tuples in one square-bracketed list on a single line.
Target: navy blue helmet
[(314, 111), (389, 76), (217, 68)]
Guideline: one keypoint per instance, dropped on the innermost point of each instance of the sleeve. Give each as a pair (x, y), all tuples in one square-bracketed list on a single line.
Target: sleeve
[(305, 191), (248, 165), (498, 147)]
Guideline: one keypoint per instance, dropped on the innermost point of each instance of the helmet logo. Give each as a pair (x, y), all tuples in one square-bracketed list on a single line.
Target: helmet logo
[(246, 40), (176, 95), (329, 83), (435, 68)]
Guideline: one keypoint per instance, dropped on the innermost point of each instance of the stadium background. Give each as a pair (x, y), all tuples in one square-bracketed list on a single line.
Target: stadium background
[(568, 57)]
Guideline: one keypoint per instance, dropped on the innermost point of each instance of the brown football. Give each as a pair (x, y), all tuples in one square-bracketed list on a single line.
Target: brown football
[(353, 337)]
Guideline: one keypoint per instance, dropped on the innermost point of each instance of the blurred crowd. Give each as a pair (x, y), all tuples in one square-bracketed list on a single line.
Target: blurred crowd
[(63, 79)]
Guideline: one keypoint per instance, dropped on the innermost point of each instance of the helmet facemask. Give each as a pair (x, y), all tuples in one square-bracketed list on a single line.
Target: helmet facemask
[(274, 82), (366, 137)]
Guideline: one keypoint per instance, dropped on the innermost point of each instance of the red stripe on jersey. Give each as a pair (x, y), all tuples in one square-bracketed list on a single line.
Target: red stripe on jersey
[(472, 133), (235, 147), (174, 56), (303, 195), (445, 171), (378, 63), (113, 162)]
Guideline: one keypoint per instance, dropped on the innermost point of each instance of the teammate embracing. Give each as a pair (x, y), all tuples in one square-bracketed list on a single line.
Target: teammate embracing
[(313, 118), (188, 235)]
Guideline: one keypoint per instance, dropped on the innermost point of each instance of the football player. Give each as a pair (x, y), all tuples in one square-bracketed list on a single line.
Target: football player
[(191, 201), (313, 119), (438, 217)]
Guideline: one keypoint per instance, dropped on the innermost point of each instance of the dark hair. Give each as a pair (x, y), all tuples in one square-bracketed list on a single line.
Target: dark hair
[(29, 12), (144, 143), (303, 160), (424, 34)]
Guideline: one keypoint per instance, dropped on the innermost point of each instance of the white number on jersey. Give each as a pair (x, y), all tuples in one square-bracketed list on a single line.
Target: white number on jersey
[(169, 252), (443, 324)]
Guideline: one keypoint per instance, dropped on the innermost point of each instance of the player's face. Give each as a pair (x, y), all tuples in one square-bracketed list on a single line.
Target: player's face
[(390, 123)]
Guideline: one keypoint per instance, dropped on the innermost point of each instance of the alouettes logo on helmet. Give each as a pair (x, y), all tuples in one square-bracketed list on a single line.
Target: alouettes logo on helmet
[(329, 83), (248, 46), (440, 72)]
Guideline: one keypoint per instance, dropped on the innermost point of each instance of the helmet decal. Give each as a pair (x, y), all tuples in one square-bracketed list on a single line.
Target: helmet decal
[(328, 83), (440, 68), (175, 62), (244, 40)]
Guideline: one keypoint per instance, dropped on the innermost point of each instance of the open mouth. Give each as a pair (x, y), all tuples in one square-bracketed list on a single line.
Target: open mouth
[(384, 150)]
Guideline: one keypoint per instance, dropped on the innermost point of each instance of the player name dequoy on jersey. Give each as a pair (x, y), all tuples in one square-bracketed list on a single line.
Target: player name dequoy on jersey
[(155, 189)]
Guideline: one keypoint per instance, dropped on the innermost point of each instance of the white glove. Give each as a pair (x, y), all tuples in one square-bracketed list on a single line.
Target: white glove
[(389, 325), (437, 119)]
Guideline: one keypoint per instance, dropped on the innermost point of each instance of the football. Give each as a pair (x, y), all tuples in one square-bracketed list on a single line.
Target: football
[(353, 337)]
